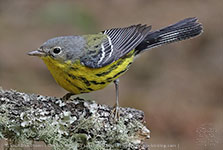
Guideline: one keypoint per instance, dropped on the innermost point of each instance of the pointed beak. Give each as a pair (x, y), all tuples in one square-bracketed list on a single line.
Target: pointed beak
[(38, 52)]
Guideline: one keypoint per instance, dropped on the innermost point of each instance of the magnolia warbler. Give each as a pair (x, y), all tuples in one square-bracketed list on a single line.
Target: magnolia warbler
[(82, 64)]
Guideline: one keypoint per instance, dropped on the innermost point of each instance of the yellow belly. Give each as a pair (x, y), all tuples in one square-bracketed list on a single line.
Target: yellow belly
[(77, 78)]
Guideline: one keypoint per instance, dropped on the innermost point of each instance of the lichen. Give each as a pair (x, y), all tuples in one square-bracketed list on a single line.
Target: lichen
[(75, 125), (119, 136)]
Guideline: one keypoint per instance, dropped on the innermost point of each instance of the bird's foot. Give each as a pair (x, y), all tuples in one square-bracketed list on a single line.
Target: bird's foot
[(115, 113), (67, 96)]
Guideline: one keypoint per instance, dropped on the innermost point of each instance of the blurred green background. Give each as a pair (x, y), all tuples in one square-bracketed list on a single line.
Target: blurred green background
[(178, 86)]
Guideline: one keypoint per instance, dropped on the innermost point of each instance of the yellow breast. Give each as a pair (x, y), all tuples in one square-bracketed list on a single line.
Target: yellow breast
[(77, 78)]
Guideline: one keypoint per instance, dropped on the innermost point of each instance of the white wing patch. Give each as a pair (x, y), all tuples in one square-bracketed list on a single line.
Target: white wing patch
[(110, 43), (117, 43), (103, 53), (106, 49)]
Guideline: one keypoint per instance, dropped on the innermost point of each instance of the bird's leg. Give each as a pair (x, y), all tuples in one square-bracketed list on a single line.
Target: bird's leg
[(116, 106), (67, 96)]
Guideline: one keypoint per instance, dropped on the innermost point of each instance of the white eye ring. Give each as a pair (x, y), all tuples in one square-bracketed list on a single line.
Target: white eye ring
[(56, 50)]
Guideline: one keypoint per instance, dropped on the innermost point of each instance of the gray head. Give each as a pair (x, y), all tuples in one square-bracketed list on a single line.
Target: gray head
[(61, 48)]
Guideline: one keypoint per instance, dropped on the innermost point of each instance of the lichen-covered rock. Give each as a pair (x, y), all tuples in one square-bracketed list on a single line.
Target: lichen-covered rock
[(76, 124)]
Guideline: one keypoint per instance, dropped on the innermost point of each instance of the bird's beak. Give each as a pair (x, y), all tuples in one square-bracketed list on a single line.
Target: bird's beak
[(37, 52)]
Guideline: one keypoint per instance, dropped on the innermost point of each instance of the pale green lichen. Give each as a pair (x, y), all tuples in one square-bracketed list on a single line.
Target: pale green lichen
[(63, 130), (3, 123), (117, 137)]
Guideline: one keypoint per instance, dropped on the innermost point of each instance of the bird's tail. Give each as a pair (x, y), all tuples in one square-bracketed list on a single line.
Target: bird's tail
[(181, 30)]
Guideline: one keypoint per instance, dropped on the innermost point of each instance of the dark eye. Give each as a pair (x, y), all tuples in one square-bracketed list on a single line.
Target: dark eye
[(56, 50)]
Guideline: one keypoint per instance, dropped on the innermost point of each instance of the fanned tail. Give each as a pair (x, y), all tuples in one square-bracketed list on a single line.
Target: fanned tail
[(179, 31)]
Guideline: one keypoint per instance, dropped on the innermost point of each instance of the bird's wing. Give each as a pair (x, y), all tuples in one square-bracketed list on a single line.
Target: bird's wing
[(116, 43)]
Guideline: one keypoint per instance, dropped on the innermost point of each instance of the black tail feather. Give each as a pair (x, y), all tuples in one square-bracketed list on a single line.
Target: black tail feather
[(181, 30)]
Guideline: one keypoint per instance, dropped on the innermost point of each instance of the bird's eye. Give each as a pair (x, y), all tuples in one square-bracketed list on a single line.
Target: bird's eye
[(56, 50)]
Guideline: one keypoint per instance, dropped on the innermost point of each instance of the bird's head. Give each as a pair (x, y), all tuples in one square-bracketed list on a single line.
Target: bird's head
[(60, 48)]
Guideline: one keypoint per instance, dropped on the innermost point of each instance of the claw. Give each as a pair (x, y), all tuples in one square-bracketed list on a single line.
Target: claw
[(115, 113)]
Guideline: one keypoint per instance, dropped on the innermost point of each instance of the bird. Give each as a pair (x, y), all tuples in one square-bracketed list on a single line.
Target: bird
[(86, 63)]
